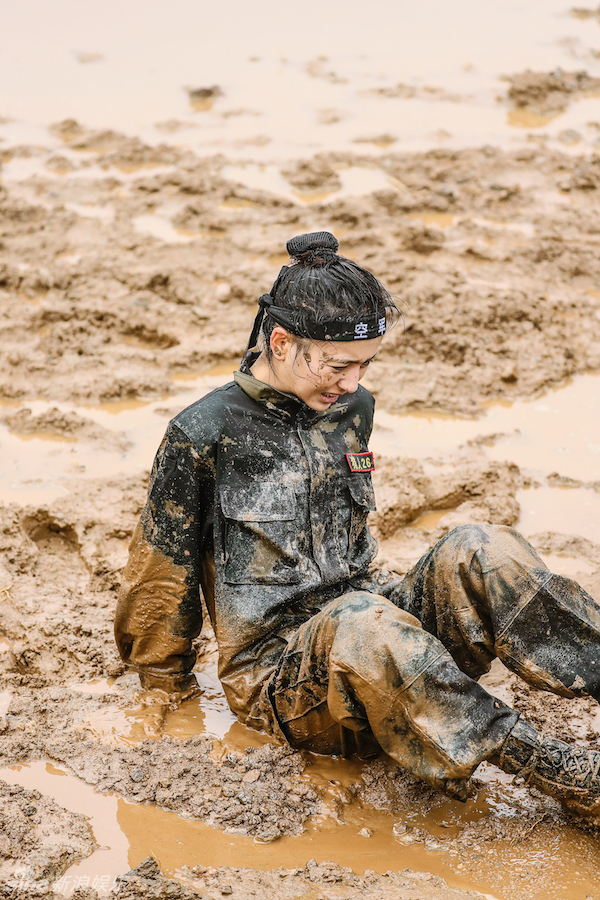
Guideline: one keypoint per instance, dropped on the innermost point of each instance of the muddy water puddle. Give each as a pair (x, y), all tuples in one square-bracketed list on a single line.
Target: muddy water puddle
[(161, 227), (127, 833), (356, 836), (208, 714), (137, 422), (289, 88), (565, 510), (565, 860), (557, 434)]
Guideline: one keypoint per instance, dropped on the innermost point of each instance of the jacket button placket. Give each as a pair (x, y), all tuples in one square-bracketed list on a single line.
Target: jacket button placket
[(322, 503)]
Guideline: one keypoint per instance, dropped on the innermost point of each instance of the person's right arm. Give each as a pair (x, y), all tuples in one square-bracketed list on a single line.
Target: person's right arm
[(159, 611)]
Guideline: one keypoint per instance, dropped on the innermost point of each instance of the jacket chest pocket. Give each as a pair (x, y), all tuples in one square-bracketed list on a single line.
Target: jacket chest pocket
[(260, 545), (362, 503)]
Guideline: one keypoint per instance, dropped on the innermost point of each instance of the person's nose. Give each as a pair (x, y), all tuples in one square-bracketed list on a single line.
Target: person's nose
[(349, 380)]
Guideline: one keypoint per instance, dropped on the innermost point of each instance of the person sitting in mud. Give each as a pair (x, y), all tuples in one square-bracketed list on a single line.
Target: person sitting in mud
[(259, 496)]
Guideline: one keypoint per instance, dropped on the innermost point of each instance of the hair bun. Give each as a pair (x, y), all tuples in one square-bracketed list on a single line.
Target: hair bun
[(315, 241)]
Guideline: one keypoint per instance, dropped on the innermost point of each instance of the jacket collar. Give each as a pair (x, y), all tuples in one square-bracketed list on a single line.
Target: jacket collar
[(287, 406)]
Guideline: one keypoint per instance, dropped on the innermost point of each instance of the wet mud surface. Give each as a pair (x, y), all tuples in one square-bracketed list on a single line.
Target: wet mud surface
[(128, 270), (132, 277)]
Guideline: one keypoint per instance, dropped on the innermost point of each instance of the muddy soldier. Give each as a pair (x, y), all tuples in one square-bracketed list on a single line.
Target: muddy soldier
[(259, 497)]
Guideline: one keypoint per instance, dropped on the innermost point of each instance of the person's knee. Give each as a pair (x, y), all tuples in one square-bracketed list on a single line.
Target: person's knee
[(466, 541), (471, 535), (495, 546), (372, 611)]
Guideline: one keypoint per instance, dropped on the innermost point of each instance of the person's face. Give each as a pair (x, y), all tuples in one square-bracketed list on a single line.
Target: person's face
[(320, 373)]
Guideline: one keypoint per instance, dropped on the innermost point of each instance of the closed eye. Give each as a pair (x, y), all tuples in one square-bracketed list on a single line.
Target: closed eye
[(363, 365), (342, 367)]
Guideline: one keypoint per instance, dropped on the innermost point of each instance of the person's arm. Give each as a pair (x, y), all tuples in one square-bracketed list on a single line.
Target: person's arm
[(159, 611)]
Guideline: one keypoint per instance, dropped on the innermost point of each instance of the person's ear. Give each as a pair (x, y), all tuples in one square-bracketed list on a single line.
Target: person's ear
[(280, 343)]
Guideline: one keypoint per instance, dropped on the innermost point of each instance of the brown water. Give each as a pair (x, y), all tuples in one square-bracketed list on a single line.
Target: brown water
[(356, 836), (127, 833), (289, 85), (556, 433)]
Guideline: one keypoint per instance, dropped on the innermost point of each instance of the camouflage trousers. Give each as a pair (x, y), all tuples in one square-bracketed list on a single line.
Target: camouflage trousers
[(400, 674)]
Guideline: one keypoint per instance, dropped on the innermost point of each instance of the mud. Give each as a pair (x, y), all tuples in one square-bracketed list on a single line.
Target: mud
[(54, 424), (128, 268), (493, 254), (549, 93), (313, 880), (68, 700), (38, 839)]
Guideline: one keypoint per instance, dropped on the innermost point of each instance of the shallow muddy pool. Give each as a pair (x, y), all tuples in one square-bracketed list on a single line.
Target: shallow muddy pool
[(365, 82), (405, 75), (351, 833), (557, 434), (127, 833)]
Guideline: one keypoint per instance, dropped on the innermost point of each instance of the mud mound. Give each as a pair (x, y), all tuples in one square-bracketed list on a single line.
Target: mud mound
[(549, 93), (63, 425), (582, 12), (39, 840), (320, 879), (130, 279), (257, 792), (466, 490), (64, 562), (313, 175), (315, 879)]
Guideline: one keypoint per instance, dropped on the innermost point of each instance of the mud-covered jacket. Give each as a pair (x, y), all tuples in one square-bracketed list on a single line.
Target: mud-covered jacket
[(253, 499)]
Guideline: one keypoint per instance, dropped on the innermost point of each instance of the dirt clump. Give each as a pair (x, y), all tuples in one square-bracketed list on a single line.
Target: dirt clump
[(470, 489), (65, 557), (549, 93), (583, 12), (312, 175), (39, 840), (257, 792), (313, 880), (202, 98), (68, 426), (325, 879)]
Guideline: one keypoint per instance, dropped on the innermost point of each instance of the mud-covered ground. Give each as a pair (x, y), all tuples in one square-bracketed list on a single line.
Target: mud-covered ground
[(123, 266), (494, 254)]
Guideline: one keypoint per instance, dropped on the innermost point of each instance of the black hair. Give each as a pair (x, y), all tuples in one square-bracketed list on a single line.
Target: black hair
[(320, 285)]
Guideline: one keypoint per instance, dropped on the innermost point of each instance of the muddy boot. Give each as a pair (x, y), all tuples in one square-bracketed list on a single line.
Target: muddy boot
[(569, 773)]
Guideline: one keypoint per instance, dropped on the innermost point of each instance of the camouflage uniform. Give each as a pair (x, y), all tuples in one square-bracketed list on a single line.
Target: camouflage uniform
[(252, 500)]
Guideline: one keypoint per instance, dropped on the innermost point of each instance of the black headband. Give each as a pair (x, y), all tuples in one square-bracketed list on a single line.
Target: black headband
[(342, 328)]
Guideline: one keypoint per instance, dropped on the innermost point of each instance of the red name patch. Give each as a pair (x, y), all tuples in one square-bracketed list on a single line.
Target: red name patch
[(361, 462)]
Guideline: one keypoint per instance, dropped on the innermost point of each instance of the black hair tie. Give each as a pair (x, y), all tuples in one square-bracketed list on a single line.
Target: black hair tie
[(320, 242)]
